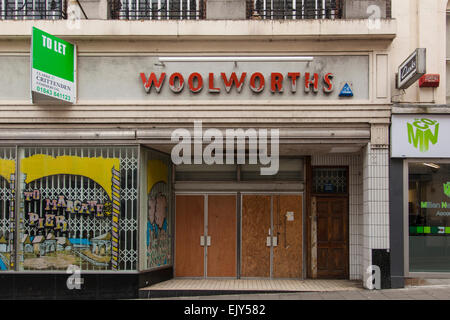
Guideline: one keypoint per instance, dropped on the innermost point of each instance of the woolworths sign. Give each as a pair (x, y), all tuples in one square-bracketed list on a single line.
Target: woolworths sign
[(53, 64), (420, 136)]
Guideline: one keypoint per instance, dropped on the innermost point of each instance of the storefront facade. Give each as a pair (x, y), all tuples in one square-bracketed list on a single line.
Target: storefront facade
[(272, 167), (419, 151)]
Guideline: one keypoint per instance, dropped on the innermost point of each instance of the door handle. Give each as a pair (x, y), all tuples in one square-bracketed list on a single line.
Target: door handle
[(202, 241), (208, 240), (271, 241)]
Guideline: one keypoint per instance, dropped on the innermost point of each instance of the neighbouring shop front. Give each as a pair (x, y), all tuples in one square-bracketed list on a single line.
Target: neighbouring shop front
[(422, 183)]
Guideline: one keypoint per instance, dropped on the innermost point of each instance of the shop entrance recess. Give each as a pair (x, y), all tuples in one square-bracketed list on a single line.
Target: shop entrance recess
[(272, 236), (329, 224), (205, 235)]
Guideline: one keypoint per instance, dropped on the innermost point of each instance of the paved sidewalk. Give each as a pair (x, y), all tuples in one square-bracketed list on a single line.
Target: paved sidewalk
[(434, 292)]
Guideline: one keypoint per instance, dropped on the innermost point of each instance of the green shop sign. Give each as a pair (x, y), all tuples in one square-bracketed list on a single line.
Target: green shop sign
[(53, 64)]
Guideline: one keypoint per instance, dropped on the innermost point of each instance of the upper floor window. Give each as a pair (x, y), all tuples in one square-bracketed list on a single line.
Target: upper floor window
[(157, 9), (32, 9), (294, 9)]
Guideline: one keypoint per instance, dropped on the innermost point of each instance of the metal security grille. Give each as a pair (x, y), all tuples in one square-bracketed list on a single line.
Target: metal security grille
[(329, 180), (157, 9), (32, 9), (294, 9), (89, 239), (7, 186)]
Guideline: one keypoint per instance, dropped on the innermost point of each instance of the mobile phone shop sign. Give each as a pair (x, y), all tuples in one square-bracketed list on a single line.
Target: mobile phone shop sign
[(52, 68), (420, 136)]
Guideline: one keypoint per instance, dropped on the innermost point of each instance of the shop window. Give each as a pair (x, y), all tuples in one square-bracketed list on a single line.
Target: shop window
[(429, 217), (330, 180), (288, 170), (78, 207), (204, 172), (157, 218), (447, 60), (7, 207)]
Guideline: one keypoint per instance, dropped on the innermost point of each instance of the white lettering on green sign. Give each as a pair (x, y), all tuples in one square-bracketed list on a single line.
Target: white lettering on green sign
[(58, 47)]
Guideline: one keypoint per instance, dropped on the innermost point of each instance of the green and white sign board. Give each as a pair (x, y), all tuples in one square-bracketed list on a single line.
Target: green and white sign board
[(420, 136), (53, 68)]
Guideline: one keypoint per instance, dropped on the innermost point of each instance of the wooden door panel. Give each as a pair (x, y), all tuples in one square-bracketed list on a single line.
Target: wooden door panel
[(221, 254), (337, 232), (322, 259), (189, 227), (332, 238), (287, 255), (255, 253)]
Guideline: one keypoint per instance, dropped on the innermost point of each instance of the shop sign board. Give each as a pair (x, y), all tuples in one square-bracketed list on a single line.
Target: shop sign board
[(412, 68), (324, 78), (420, 136), (53, 69)]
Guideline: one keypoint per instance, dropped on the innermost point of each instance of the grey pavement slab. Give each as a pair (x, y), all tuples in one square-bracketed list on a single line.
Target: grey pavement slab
[(411, 293)]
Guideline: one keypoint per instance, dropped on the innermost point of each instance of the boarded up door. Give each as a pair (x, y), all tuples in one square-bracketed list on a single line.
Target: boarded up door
[(287, 224), (332, 238), (189, 226), (255, 261), (221, 254)]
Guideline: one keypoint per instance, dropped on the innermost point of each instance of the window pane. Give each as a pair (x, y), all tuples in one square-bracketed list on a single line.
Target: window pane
[(7, 185), (158, 224), (429, 217), (79, 207)]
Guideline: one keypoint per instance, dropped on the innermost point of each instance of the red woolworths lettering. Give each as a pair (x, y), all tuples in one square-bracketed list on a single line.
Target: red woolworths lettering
[(293, 76), (314, 82), (211, 87), (148, 83), (276, 82), (191, 82), (173, 80), (257, 76), (233, 80), (329, 84)]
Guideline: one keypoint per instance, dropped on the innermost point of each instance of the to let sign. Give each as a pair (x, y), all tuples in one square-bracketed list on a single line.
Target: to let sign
[(53, 67), (412, 69)]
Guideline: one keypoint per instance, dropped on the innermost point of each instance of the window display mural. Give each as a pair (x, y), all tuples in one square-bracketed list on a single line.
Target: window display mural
[(429, 217), (158, 226), (79, 208), (7, 207)]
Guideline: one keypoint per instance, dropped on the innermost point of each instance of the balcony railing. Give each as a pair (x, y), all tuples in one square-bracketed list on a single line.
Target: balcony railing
[(294, 9), (157, 9), (32, 9)]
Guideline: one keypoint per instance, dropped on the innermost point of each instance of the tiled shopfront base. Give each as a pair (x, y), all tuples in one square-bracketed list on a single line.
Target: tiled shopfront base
[(195, 287)]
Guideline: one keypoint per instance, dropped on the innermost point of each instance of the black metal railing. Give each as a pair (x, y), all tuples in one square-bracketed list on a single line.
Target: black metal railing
[(33, 9), (157, 9), (294, 9)]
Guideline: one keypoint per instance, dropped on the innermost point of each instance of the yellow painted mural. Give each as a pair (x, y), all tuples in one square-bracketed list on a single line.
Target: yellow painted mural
[(157, 171), (7, 168), (97, 169)]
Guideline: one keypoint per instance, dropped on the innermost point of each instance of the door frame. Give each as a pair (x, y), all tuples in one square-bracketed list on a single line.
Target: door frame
[(205, 230), (309, 167), (298, 193)]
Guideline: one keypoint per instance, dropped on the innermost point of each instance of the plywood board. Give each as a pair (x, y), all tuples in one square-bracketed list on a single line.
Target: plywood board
[(255, 229), (189, 227), (287, 225), (221, 254)]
